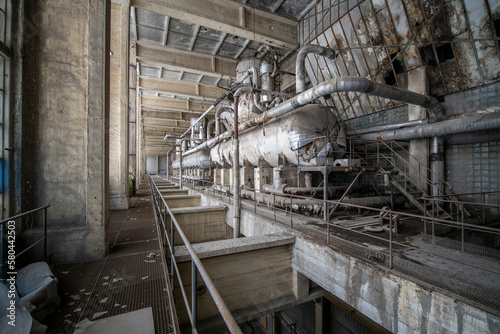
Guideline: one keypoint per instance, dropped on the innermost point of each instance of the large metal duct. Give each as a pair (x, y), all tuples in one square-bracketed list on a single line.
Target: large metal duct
[(286, 137), (346, 84), (481, 122), (199, 159)]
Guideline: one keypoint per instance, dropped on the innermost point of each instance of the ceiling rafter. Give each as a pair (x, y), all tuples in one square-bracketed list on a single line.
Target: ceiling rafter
[(224, 15)]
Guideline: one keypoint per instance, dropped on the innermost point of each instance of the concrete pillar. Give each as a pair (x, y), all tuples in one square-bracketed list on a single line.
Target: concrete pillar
[(419, 148), (119, 111), (132, 107), (262, 175), (247, 176), (216, 175), (225, 177), (64, 124)]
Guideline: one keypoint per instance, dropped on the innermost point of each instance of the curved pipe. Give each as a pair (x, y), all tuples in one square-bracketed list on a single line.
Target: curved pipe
[(300, 83), (222, 107), (209, 125), (345, 84)]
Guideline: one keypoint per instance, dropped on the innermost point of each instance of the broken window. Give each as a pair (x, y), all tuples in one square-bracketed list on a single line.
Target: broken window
[(444, 53)]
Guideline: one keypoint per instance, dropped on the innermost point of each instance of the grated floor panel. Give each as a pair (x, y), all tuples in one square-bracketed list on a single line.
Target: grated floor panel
[(130, 278)]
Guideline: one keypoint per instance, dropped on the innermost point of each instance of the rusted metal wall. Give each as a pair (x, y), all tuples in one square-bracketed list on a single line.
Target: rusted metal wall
[(384, 39)]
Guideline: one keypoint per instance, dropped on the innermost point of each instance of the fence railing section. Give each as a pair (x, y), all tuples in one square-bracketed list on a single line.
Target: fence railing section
[(163, 213), (8, 241), (282, 208)]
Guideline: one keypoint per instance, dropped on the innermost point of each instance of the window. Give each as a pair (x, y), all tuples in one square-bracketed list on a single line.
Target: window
[(5, 61)]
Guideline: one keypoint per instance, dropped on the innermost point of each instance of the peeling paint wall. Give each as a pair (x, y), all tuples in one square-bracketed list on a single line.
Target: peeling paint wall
[(384, 39)]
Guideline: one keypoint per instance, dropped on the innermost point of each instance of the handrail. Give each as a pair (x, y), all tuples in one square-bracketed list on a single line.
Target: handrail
[(4, 254), (196, 264)]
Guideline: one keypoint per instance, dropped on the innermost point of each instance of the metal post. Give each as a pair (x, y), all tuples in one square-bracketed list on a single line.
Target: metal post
[(425, 214), (44, 233), (180, 166), (390, 239), (254, 200), (274, 205), (291, 218), (463, 232), (433, 216), (484, 212), (194, 299), (172, 268)]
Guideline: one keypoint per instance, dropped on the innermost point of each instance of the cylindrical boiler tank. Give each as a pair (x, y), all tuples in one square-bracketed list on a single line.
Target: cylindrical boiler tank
[(297, 136)]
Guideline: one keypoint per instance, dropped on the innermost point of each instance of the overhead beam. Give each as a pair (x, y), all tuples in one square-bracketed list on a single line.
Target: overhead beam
[(181, 88), (171, 115), (185, 61), (159, 102), (224, 15)]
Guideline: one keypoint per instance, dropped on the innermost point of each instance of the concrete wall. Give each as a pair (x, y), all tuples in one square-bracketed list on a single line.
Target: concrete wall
[(151, 164), (119, 107), (64, 124)]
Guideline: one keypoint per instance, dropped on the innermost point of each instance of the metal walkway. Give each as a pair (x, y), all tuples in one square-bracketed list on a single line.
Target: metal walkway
[(130, 278)]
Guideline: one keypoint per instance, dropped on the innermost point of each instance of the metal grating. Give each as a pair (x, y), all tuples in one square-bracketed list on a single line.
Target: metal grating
[(130, 278)]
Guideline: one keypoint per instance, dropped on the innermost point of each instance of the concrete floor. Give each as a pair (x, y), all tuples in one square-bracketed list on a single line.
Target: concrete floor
[(130, 278)]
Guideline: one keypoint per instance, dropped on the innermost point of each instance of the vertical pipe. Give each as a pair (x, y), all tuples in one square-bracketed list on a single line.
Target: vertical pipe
[(168, 169), (236, 174), (437, 166), (325, 196), (194, 299)]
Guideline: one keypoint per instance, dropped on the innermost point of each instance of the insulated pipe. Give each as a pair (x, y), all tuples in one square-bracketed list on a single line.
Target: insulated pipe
[(209, 125), (217, 118), (300, 73), (437, 166), (481, 122), (345, 84), (236, 174)]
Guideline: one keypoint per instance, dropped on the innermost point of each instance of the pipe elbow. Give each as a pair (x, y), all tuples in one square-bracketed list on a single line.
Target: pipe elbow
[(300, 62)]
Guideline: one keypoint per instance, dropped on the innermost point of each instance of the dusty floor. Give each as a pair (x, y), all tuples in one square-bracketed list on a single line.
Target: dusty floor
[(130, 278)]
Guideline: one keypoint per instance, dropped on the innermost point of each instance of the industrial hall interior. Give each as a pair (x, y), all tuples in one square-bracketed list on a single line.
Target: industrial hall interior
[(249, 166)]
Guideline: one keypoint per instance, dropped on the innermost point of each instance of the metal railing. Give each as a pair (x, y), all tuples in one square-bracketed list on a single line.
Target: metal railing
[(389, 256), (8, 239), (163, 212)]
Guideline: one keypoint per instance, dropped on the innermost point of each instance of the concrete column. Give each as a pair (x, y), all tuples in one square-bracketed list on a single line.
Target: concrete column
[(419, 148), (65, 115), (247, 175), (225, 177), (262, 175), (132, 107), (119, 112)]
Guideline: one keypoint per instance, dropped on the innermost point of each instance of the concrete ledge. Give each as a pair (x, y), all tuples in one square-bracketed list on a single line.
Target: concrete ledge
[(233, 246), (173, 192), (197, 209), (181, 201)]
